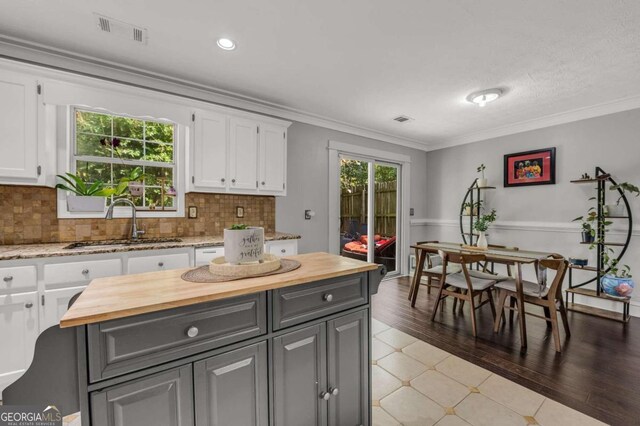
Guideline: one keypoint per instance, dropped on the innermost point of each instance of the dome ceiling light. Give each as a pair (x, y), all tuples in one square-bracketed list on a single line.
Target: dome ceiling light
[(484, 97), (226, 43)]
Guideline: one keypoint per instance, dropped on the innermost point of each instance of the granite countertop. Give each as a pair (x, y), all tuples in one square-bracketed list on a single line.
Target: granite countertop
[(34, 251)]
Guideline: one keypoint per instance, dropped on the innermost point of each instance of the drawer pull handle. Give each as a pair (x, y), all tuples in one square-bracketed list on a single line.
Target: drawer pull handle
[(8, 278), (210, 251), (325, 395), (327, 297), (192, 331), (28, 305), (161, 264), (333, 391), (85, 272), (283, 250)]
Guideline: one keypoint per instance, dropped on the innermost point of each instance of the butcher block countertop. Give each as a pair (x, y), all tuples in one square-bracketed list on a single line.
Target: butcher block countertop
[(128, 295)]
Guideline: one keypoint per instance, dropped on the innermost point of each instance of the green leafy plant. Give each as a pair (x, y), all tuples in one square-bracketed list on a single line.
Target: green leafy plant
[(76, 185), (483, 222), (625, 187), (238, 226), (122, 187), (613, 265), (481, 169)]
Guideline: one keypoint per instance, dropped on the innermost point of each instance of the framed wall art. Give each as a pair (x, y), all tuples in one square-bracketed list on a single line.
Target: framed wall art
[(536, 167)]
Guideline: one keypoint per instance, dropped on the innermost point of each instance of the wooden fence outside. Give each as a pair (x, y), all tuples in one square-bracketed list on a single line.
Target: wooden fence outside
[(353, 207)]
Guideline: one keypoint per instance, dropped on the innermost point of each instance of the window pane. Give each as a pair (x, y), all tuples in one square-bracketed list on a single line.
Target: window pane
[(130, 149), (120, 171), (153, 196), (159, 132), (90, 145), (159, 152), (92, 172), (91, 122), (128, 127), (153, 175)]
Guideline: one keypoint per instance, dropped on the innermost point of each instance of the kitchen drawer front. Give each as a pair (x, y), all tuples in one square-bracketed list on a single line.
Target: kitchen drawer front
[(205, 255), (303, 303), (283, 248), (138, 265), (18, 279), (124, 345), (58, 273)]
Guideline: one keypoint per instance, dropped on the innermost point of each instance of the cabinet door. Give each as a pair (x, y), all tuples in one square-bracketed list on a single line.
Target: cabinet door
[(18, 331), (164, 399), (56, 304), (273, 154), (231, 389), (299, 376), (210, 151), (18, 126), (243, 150), (348, 370)]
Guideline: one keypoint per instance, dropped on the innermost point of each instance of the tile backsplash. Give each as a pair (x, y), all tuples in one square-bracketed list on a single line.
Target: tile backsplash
[(28, 215)]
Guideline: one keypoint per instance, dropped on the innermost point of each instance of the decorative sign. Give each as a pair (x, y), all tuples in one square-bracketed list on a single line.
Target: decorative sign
[(243, 245), (530, 168)]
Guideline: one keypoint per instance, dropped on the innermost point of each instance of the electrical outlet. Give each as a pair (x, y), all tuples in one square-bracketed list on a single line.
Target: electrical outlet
[(193, 212), (239, 211)]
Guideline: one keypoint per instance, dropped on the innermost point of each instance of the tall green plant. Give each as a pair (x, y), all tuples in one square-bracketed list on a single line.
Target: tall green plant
[(483, 222), (76, 185)]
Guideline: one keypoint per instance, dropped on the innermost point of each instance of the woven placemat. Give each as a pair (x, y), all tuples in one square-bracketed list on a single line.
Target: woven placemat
[(203, 275)]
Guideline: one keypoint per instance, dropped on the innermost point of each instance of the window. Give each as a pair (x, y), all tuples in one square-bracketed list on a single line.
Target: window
[(109, 147)]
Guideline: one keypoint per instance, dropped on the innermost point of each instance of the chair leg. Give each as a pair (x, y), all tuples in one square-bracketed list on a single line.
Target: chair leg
[(414, 295), (547, 314), (554, 325), (473, 313), (491, 304), (512, 305), (429, 285), (563, 314), (462, 301), (502, 297), (436, 303)]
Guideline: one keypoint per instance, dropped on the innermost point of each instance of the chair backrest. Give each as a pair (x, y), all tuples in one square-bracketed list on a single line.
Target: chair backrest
[(430, 256), (559, 264), (463, 260), (485, 268)]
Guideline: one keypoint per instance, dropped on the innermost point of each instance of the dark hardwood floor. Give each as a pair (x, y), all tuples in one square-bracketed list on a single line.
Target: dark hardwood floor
[(598, 372)]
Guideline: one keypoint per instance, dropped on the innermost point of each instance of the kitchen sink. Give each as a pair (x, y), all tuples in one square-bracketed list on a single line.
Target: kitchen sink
[(119, 243)]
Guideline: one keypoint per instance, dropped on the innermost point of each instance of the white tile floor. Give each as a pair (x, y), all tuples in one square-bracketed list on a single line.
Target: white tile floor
[(417, 384)]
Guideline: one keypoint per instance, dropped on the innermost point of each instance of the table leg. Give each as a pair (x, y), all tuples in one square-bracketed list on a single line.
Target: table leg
[(542, 278), (417, 275), (521, 312)]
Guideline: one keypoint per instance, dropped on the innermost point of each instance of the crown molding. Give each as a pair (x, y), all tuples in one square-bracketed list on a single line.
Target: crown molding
[(584, 113), (62, 60)]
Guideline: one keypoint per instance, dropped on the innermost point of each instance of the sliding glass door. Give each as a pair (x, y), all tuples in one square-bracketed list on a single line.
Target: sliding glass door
[(369, 210)]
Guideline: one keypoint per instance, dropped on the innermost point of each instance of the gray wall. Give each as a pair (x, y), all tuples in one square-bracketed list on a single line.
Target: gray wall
[(308, 182), (539, 217)]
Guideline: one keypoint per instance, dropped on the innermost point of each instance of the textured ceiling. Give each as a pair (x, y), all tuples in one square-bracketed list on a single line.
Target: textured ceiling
[(367, 61)]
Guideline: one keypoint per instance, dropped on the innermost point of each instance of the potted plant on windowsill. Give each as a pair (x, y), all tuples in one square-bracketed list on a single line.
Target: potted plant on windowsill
[(617, 209), (83, 197), (481, 181), (617, 281), (481, 225), (243, 244)]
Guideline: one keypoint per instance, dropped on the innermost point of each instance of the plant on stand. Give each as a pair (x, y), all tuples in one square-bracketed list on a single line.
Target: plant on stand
[(85, 197), (472, 207), (481, 225), (481, 181), (617, 281), (618, 209), (588, 230)]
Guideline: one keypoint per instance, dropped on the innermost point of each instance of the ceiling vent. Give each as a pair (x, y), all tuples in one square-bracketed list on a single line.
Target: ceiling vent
[(402, 119), (121, 29)]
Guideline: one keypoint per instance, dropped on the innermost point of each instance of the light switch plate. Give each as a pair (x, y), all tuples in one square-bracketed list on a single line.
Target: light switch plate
[(239, 211), (193, 212)]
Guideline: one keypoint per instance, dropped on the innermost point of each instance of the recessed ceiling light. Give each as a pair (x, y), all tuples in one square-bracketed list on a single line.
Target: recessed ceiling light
[(484, 97), (226, 43)]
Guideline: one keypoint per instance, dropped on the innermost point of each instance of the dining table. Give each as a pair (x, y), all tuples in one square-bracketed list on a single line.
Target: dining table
[(495, 255)]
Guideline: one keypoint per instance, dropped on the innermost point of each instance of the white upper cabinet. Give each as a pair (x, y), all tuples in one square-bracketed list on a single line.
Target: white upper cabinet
[(273, 159), (210, 162), (243, 154), (18, 128)]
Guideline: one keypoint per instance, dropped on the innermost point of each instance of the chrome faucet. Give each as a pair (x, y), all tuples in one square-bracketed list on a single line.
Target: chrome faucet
[(134, 224)]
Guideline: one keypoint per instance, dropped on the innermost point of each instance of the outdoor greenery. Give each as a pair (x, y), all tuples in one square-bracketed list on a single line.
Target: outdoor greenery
[(117, 150), (354, 173)]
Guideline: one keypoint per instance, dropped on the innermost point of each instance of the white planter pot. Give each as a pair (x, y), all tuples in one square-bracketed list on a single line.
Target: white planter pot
[(467, 211), (482, 182), (76, 203), (243, 245), (136, 189), (615, 210), (482, 241)]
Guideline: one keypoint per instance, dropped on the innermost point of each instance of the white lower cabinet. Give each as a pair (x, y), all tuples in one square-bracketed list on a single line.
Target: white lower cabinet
[(205, 255), (162, 262), (282, 247), (55, 304), (19, 330)]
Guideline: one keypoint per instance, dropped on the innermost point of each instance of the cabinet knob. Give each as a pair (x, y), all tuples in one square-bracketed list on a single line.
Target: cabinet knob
[(327, 297), (233, 181), (192, 331), (262, 183), (333, 391), (28, 305), (223, 180), (85, 272), (161, 264), (283, 251), (325, 395), (8, 278)]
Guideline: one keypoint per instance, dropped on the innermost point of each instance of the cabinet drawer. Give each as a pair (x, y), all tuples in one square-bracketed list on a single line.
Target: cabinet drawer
[(205, 255), (302, 303), (128, 344), (19, 278), (282, 248), (57, 273), (138, 265)]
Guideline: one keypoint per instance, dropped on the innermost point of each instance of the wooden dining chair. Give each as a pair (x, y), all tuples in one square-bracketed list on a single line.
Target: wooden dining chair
[(539, 294), (432, 272), (462, 286)]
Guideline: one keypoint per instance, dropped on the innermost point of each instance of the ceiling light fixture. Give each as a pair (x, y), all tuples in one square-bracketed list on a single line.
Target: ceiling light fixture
[(226, 43), (484, 97)]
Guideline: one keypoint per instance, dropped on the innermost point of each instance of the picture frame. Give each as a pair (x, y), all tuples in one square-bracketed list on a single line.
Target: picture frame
[(528, 168)]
